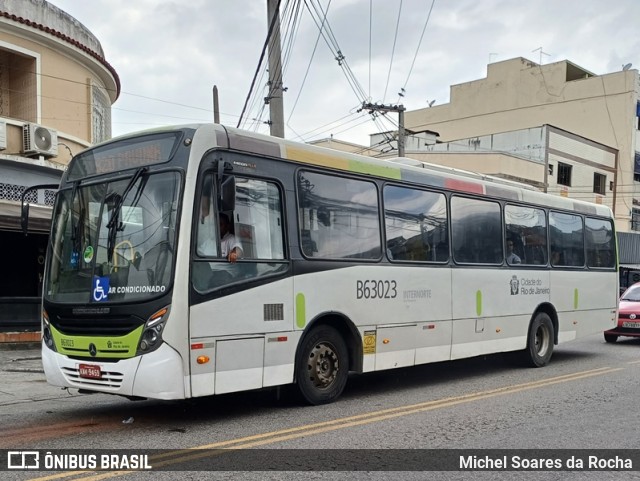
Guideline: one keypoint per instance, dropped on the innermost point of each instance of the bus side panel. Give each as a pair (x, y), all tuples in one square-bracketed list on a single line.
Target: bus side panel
[(396, 347), (433, 341), (263, 309), (239, 364), (203, 376), (247, 337), (279, 358), (492, 308), (398, 300), (578, 298), (400, 346)]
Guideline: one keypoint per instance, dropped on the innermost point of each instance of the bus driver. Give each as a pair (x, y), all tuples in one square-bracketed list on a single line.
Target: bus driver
[(229, 244)]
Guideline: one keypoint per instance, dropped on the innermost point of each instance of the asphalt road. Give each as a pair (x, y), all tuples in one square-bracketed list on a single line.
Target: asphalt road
[(585, 399)]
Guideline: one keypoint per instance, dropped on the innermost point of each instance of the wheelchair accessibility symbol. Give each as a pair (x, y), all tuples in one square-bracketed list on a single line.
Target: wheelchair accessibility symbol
[(100, 289)]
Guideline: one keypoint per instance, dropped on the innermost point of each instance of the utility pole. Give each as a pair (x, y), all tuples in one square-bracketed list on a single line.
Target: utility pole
[(216, 107), (390, 108), (276, 109)]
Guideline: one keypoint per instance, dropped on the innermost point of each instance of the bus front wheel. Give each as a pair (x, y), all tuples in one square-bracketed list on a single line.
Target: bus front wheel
[(323, 366), (539, 341)]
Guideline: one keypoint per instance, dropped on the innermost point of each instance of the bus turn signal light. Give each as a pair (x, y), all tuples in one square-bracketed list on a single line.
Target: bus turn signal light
[(202, 359)]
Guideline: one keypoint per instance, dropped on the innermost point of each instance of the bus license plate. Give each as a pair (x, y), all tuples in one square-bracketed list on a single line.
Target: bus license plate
[(89, 371), (632, 325)]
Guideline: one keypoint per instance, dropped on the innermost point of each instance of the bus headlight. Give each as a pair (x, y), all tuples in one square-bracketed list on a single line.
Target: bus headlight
[(151, 337), (47, 337)]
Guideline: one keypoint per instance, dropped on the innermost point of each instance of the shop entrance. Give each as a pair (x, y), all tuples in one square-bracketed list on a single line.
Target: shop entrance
[(21, 280)]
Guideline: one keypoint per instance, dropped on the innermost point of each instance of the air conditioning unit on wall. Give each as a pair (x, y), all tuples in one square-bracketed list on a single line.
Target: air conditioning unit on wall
[(39, 140)]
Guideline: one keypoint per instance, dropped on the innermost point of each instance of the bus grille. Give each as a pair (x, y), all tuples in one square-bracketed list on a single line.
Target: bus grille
[(109, 380)]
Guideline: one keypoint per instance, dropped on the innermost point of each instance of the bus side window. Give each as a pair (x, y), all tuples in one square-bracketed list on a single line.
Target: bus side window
[(415, 225), (526, 227), (309, 246), (258, 227), (600, 243)]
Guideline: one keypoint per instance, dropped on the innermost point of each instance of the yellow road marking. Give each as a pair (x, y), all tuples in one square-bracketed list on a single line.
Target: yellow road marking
[(183, 455)]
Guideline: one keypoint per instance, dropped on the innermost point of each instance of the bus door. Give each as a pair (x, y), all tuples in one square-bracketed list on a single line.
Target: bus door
[(244, 313)]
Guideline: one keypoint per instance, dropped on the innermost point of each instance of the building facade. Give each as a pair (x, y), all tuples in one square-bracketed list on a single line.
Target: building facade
[(56, 93), (593, 152), (548, 158)]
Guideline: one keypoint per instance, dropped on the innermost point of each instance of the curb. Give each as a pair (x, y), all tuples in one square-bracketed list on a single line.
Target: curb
[(19, 346)]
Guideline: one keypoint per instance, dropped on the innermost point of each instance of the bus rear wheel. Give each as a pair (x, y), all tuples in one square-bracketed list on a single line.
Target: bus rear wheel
[(539, 341), (323, 366)]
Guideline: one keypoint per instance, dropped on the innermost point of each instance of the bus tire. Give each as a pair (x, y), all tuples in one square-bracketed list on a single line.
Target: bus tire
[(610, 338), (539, 341), (323, 366)]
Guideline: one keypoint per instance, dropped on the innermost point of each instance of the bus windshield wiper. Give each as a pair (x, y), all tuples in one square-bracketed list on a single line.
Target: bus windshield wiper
[(114, 225), (76, 226)]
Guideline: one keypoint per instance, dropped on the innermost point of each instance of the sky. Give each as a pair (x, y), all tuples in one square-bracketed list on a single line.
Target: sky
[(170, 53)]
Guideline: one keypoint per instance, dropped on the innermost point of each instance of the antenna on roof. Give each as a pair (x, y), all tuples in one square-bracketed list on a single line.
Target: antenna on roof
[(541, 53), (626, 67)]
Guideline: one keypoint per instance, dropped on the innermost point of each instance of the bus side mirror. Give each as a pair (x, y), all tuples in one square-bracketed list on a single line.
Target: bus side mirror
[(24, 209), (228, 194), (226, 187), (24, 214), (24, 218)]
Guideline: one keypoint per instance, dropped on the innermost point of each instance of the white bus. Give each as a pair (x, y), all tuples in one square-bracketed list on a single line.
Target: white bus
[(345, 264)]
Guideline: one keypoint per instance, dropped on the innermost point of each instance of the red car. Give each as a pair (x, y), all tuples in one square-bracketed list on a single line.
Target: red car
[(628, 315)]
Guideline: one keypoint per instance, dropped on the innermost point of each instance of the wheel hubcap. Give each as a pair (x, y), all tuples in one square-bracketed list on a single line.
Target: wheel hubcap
[(323, 365), (542, 340)]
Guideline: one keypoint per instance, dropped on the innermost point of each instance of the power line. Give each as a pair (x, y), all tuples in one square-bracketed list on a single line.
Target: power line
[(332, 43), (315, 46), (419, 43), (393, 50), (370, 33), (264, 50)]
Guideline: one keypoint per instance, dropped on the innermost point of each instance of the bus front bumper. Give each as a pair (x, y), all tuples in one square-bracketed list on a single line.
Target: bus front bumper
[(157, 375)]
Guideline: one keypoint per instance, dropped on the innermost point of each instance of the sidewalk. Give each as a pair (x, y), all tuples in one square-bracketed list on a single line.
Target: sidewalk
[(22, 377), (20, 357)]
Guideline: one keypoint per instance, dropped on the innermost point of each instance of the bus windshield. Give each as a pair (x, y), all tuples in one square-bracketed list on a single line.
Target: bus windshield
[(114, 241)]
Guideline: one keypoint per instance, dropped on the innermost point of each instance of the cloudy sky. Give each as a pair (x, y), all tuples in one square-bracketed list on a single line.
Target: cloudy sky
[(170, 53)]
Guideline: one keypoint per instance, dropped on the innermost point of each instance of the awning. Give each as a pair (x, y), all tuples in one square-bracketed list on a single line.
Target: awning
[(39, 216)]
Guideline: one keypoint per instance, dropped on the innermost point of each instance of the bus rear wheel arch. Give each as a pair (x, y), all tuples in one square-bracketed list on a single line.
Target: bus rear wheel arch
[(322, 365)]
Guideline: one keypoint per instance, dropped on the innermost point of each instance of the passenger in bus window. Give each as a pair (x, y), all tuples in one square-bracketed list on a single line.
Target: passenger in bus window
[(230, 245), (512, 257)]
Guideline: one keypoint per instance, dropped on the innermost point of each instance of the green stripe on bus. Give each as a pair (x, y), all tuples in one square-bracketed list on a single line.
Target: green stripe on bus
[(107, 347), (575, 298), (300, 311), (389, 172), (478, 303)]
